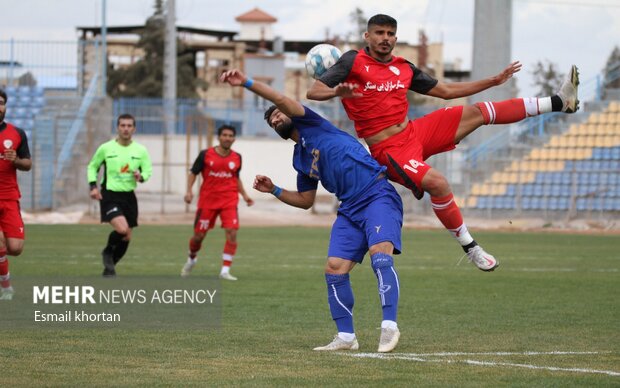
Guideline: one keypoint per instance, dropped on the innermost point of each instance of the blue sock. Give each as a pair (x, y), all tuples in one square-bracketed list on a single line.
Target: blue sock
[(389, 288), (340, 300)]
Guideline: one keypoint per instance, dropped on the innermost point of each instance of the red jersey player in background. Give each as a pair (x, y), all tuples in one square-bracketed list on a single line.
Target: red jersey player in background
[(14, 155), (219, 196), (373, 86)]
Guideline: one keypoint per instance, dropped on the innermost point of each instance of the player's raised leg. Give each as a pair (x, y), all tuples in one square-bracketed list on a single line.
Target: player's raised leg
[(514, 110)]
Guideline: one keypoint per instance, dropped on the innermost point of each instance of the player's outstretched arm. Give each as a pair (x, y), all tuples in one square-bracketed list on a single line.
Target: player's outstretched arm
[(286, 105), (303, 200), (321, 92), (451, 90)]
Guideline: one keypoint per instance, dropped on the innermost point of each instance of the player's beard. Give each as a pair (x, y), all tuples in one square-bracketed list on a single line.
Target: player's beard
[(2, 113), (285, 129)]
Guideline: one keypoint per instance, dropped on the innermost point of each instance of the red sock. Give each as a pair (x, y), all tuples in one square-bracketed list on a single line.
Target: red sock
[(446, 210), (4, 270), (450, 216), (194, 247), (230, 248), (509, 111)]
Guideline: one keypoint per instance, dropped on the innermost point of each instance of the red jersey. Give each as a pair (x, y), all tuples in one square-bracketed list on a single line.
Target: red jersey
[(13, 138), (383, 86), (220, 174)]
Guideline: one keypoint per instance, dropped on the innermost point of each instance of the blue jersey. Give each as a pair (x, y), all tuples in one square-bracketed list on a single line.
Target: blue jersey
[(332, 156)]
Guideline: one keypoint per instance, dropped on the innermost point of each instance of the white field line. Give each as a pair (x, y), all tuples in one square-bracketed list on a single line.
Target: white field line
[(423, 357)]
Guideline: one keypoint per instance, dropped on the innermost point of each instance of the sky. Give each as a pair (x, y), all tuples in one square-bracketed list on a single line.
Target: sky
[(563, 32)]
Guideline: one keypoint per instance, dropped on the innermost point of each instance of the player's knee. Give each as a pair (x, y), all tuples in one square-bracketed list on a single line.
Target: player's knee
[(436, 184), (198, 237), (336, 266), (231, 235), (14, 249), (382, 247)]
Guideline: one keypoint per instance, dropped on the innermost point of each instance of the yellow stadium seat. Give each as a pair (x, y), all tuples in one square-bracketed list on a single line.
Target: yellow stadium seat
[(535, 154), (594, 118), (573, 142), (472, 201), (614, 106), (498, 189)]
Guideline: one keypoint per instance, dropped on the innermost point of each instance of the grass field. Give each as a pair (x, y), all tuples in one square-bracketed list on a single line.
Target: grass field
[(549, 316)]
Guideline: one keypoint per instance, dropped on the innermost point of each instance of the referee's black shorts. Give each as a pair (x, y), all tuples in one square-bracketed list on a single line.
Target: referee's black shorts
[(114, 204)]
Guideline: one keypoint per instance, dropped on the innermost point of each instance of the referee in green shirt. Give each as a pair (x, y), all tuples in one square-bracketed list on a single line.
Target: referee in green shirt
[(125, 163)]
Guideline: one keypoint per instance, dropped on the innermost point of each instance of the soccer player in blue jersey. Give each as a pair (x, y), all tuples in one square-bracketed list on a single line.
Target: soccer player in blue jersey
[(369, 218)]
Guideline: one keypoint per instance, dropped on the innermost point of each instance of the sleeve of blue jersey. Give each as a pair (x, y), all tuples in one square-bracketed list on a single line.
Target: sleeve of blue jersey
[(305, 183), (310, 119)]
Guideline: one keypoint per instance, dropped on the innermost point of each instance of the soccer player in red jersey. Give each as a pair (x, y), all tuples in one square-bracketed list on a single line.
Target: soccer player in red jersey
[(219, 196), (373, 86), (14, 155)]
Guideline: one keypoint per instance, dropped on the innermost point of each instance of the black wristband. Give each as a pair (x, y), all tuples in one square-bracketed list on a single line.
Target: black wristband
[(93, 185)]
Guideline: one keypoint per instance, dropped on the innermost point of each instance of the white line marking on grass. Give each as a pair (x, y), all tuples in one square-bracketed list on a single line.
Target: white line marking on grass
[(422, 357)]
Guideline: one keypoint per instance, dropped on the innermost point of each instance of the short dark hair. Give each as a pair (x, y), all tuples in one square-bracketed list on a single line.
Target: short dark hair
[(3, 95), (381, 20), (224, 127), (284, 132), (126, 116)]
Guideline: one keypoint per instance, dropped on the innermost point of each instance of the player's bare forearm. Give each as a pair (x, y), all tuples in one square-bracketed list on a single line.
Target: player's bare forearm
[(23, 164), (320, 92), (303, 200), (189, 195), (249, 201), (286, 105), (448, 91)]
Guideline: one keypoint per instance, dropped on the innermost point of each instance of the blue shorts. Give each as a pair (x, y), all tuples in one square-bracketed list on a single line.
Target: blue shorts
[(377, 216)]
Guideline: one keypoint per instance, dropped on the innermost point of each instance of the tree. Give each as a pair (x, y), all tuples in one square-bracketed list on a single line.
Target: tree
[(144, 78), (612, 70), (359, 25), (547, 78)]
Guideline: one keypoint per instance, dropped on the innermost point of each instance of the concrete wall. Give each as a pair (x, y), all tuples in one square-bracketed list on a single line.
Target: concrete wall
[(271, 157)]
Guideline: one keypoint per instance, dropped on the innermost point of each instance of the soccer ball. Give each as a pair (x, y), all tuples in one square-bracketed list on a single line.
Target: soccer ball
[(320, 58)]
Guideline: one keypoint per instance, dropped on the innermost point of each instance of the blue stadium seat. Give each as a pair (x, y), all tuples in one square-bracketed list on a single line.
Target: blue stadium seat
[(11, 91), (581, 204), (526, 203), (23, 91), (552, 203), (37, 101), (615, 153), (536, 203), (24, 100), (538, 190), (563, 203), (481, 203), (527, 189), (565, 178), (511, 190)]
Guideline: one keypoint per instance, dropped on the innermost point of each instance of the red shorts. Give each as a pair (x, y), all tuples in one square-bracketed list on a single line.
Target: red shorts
[(404, 154), (11, 223), (205, 219)]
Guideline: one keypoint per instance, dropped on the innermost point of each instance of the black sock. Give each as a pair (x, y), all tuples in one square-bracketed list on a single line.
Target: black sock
[(119, 250), (113, 239), (556, 103), (469, 246)]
